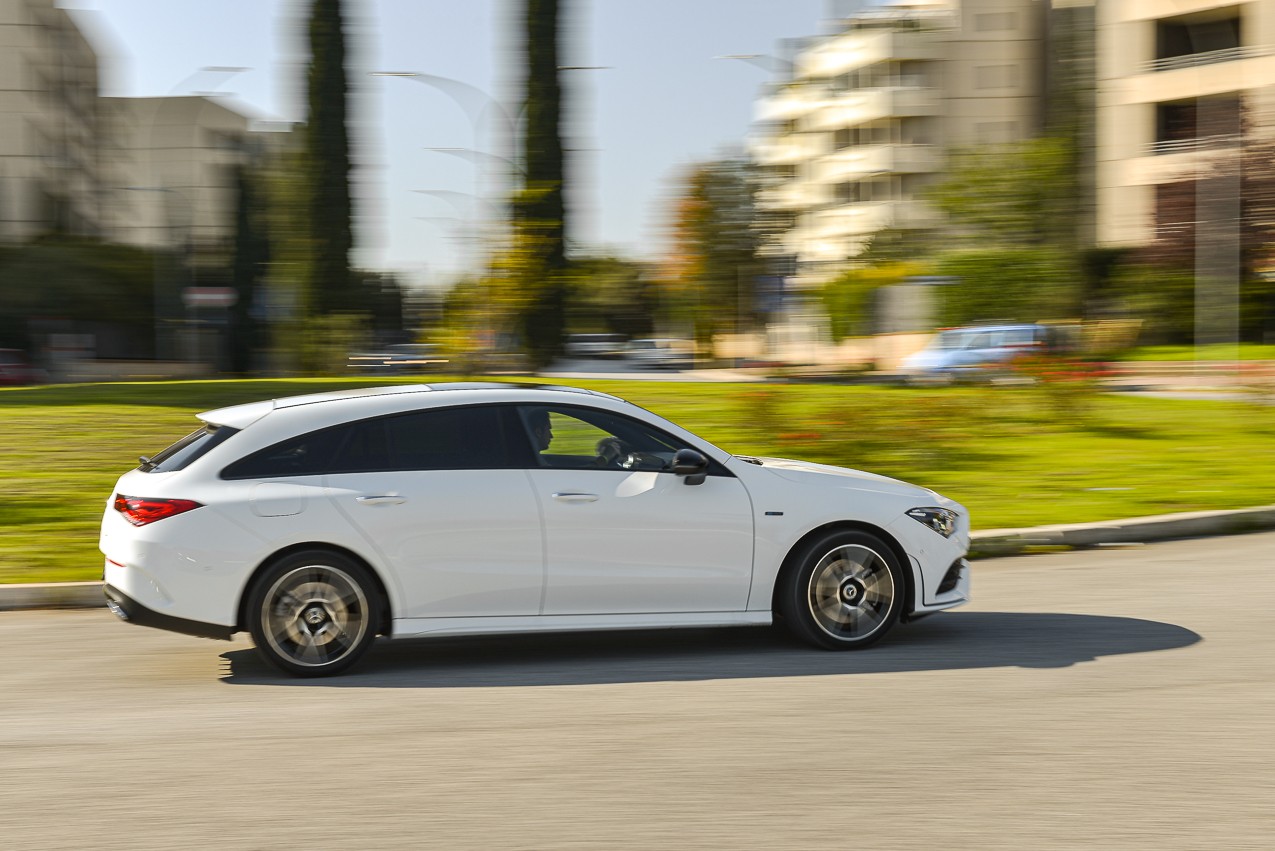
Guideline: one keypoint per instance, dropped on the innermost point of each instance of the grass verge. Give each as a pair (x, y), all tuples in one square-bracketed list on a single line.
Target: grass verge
[(1015, 456)]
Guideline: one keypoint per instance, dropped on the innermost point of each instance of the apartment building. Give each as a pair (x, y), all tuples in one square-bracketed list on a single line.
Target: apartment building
[(849, 140), (52, 174), (1178, 81), (175, 158), (155, 172)]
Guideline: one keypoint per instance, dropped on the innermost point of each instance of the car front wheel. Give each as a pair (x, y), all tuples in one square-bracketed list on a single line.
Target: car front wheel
[(846, 591), (313, 614)]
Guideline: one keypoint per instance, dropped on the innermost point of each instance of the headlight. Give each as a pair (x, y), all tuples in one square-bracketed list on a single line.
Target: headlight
[(941, 520)]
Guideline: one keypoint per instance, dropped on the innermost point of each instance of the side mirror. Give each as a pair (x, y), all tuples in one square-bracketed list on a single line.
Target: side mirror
[(691, 464)]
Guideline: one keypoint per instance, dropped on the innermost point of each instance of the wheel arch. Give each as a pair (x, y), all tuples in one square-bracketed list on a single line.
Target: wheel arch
[(790, 562), (241, 613)]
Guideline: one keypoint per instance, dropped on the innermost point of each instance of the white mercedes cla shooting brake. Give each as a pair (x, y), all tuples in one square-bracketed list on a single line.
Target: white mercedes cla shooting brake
[(319, 522)]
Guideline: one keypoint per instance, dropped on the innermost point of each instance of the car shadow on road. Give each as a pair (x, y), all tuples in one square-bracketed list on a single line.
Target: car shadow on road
[(943, 642)]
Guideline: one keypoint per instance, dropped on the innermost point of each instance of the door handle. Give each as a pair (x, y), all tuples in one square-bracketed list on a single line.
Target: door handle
[(388, 499), (575, 497)]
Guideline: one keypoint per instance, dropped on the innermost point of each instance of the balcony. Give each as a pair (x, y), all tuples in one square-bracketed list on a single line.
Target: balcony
[(860, 106), (1210, 57), (878, 159), (791, 196), (778, 152)]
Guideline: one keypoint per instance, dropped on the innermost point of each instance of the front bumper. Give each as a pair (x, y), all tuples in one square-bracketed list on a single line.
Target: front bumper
[(127, 609)]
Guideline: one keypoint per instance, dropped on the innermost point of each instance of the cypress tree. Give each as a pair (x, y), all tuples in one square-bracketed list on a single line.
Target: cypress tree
[(328, 162), (540, 209)]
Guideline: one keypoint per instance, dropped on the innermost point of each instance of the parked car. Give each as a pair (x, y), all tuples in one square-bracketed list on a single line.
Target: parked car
[(399, 359), (595, 345), (973, 352), (15, 370), (319, 522), (658, 353)]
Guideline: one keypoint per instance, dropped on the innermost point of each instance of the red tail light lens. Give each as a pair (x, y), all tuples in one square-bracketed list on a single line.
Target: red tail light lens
[(140, 510)]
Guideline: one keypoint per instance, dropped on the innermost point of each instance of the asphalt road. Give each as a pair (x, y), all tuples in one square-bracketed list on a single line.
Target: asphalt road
[(1108, 699)]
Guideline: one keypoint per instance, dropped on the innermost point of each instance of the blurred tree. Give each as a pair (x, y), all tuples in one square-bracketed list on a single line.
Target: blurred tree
[(79, 285), (1013, 222), (610, 294), (1016, 194), (539, 256), (328, 162), (1020, 284), (714, 264), (248, 267), (848, 298)]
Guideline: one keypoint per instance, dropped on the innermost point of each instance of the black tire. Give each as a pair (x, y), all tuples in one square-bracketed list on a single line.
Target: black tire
[(314, 613), (845, 591)]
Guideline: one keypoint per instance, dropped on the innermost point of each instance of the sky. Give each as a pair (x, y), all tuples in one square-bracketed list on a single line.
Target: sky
[(660, 102)]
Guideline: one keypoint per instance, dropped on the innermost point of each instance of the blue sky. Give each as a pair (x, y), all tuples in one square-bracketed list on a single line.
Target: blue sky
[(662, 103)]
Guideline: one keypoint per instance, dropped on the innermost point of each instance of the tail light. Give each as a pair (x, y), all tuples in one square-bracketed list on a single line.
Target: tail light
[(140, 510)]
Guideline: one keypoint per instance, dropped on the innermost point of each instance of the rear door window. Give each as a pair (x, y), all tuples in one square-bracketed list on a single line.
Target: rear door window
[(468, 438)]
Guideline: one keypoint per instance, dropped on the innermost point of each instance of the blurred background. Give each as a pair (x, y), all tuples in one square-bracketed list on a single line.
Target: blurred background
[(382, 186)]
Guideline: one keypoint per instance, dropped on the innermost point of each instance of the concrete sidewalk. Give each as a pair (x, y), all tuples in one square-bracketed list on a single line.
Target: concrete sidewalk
[(991, 543)]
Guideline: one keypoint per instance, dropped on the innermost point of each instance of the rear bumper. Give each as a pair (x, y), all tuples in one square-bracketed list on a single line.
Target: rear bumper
[(127, 609)]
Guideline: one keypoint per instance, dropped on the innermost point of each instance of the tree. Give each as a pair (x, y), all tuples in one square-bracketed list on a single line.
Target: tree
[(614, 295), (539, 209), (251, 257), (328, 162), (715, 261), (1013, 224)]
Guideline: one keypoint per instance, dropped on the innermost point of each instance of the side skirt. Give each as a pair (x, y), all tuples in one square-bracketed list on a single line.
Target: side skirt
[(413, 627)]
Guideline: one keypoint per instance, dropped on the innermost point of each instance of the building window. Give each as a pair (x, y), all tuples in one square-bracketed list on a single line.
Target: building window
[(847, 193)]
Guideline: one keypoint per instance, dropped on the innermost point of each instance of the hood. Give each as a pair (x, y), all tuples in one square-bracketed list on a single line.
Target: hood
[(805, 472), (928, 359)]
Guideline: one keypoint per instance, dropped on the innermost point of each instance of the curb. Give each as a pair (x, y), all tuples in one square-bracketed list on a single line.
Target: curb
[(991, 543)]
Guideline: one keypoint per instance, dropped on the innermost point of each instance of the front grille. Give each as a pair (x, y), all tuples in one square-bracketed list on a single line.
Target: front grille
[(952, 577)]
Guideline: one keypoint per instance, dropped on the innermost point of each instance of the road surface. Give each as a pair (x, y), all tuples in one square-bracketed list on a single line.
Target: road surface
[(1120, 698)]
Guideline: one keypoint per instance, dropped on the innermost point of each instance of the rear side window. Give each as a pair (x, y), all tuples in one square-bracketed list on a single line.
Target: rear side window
[(183, 452), (439, 439), (307, 455)]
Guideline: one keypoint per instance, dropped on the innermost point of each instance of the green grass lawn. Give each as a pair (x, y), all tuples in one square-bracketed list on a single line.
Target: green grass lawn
[(1244, 351), (1014, 456)]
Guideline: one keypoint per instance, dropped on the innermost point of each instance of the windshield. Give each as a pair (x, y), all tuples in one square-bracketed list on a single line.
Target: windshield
[(954, 339)]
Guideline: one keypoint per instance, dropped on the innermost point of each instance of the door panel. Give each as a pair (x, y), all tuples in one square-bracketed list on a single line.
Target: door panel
[(463, 543), (625, 542)]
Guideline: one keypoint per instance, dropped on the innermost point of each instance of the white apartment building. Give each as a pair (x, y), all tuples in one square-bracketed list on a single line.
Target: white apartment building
[(867, 116), (52, 173), (1175, 80)]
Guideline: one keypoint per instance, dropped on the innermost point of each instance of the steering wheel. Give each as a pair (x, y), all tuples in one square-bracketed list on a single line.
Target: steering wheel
[(612, 452)]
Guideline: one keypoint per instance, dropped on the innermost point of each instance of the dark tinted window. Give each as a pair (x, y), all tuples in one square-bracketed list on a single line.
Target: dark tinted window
[(186, 450), (439, 439), (306, 455)]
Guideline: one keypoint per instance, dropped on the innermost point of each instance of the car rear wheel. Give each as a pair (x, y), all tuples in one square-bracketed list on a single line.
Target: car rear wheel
[(314, 613), (846, 591)]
